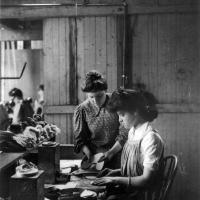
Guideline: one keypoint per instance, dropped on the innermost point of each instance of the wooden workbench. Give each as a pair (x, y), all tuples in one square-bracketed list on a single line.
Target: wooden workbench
[(7, 168), (8, 159), (8, 162)]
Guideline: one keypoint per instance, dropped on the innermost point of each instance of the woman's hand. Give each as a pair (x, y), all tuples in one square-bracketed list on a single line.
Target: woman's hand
[(86, 163), (106, 156), (111, 152), (103, 181), (109, 172), (104, 172), (87, 152), (115, 172)]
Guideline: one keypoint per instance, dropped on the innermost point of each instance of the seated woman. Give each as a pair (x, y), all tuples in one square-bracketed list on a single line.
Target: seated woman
[(141, 160), (96, 129)]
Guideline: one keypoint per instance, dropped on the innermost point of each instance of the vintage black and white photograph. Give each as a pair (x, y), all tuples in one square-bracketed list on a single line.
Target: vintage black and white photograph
[(99, 99)]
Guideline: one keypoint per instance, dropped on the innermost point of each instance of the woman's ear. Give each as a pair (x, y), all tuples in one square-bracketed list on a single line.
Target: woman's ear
[(136, 114)]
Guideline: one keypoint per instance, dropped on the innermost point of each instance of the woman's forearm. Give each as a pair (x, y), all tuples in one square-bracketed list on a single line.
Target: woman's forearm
[(138, 181), (86, 151), (115, 148), (120, 180)]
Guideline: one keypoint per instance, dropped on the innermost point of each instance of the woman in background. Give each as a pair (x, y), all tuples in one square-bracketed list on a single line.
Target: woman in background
[(96, 129), (22, 108), (141, 160), (39, 102)]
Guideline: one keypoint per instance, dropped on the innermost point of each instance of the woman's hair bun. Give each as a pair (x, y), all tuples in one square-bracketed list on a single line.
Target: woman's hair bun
[(150, 111), (93, 75), (94, 81), (150, 98)]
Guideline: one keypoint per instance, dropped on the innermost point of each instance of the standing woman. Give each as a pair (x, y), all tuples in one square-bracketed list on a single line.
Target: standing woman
[(141, 160), (96, 129)]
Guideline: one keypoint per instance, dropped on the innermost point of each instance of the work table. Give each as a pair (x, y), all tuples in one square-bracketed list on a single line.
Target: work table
[(8, 159)]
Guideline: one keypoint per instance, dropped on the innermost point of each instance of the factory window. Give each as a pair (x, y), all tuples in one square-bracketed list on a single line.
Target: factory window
[(19, 45)]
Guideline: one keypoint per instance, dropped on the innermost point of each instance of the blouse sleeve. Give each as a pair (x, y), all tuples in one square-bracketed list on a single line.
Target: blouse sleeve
[(123, 135), (153, 147), (81, 130)]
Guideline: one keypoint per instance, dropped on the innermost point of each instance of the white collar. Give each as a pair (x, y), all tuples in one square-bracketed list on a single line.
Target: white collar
[(19, 102), (139, 132)]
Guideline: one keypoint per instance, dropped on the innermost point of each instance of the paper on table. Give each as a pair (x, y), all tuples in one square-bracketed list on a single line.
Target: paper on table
[(69, 163), (88, 193), (65, 171), (66, 186)]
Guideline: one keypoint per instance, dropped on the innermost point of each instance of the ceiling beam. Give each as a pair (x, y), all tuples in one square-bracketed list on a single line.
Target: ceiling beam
[(162, 9), (38, 12), (17, 2)]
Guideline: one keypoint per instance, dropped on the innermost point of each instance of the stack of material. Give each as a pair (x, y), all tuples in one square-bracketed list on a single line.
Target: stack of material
[(26, 135)]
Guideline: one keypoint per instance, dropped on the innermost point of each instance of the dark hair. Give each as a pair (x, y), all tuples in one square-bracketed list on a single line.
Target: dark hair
[(15, 92), (15, 128), (134, 100), (41, 86), (94, 81)]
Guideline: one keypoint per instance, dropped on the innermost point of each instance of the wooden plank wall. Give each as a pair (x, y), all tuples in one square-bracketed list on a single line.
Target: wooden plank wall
[(165, 50), (181, 136), (68, 56), (163, 54), (57, 70), (97, 49)]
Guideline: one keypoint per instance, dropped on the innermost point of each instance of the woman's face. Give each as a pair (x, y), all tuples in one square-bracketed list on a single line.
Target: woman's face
[(14, 99), (128, 119), (99, 97)]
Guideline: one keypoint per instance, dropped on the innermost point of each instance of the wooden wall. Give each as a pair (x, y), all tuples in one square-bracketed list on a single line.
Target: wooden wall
[(163, 53), (181, 135), (72, 47), (59, 70)]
